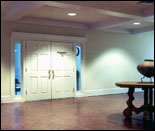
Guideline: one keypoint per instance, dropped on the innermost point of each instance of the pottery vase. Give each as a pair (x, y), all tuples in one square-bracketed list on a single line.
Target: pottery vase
[(146, 68)]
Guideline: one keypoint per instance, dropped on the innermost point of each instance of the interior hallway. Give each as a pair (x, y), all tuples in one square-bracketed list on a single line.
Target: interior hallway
[(89, 113)]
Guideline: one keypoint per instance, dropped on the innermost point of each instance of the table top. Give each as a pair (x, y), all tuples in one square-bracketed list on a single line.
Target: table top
[(137, 84)]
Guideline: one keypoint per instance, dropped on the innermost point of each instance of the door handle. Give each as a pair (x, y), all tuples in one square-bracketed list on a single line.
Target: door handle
[(49, 74), (53, 74)]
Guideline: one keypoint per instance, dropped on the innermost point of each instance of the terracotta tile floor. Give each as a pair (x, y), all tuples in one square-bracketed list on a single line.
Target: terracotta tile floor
[(89, 113)]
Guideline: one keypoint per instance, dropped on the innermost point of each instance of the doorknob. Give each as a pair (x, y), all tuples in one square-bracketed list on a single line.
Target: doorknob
[(53, 74), (49, 73)]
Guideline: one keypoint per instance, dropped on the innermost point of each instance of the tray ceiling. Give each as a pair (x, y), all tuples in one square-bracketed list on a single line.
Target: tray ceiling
[(93, 15)]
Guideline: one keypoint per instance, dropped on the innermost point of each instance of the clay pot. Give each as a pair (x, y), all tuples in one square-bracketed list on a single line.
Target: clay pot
[(146, 68)]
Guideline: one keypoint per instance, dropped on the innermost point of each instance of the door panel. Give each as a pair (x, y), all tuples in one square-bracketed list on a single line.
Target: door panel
[(62, 65), (38, 64), (44, 84), (34, 84), (40, 61)]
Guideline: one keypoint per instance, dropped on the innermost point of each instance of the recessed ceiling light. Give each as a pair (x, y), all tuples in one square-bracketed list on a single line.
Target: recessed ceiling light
[(136, 23), (72, 14)]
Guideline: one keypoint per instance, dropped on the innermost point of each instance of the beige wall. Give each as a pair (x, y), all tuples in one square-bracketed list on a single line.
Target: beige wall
[(113, 57), (110, 57)]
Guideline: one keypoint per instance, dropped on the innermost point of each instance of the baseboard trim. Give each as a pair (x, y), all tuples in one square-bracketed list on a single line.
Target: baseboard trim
[(9, 99), (6, 99), (79, 94), (109, 91)]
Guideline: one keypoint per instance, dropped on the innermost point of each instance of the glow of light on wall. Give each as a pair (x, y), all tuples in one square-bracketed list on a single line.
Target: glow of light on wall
[(111, 66), (113, 57)]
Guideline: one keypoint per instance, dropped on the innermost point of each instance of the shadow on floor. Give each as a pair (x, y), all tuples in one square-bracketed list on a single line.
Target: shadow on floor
[(136, 122)]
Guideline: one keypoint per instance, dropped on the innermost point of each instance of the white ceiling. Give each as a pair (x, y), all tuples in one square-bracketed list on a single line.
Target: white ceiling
[(61, 14), (115, 16)]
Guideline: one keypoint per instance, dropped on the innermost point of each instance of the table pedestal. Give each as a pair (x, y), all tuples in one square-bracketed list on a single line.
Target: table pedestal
[(147, 108)]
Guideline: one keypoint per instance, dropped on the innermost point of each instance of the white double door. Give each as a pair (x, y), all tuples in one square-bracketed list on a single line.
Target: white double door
[(49, 70)]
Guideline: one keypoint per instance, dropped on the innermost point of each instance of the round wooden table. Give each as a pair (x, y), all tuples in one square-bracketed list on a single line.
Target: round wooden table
[(148, 107)]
